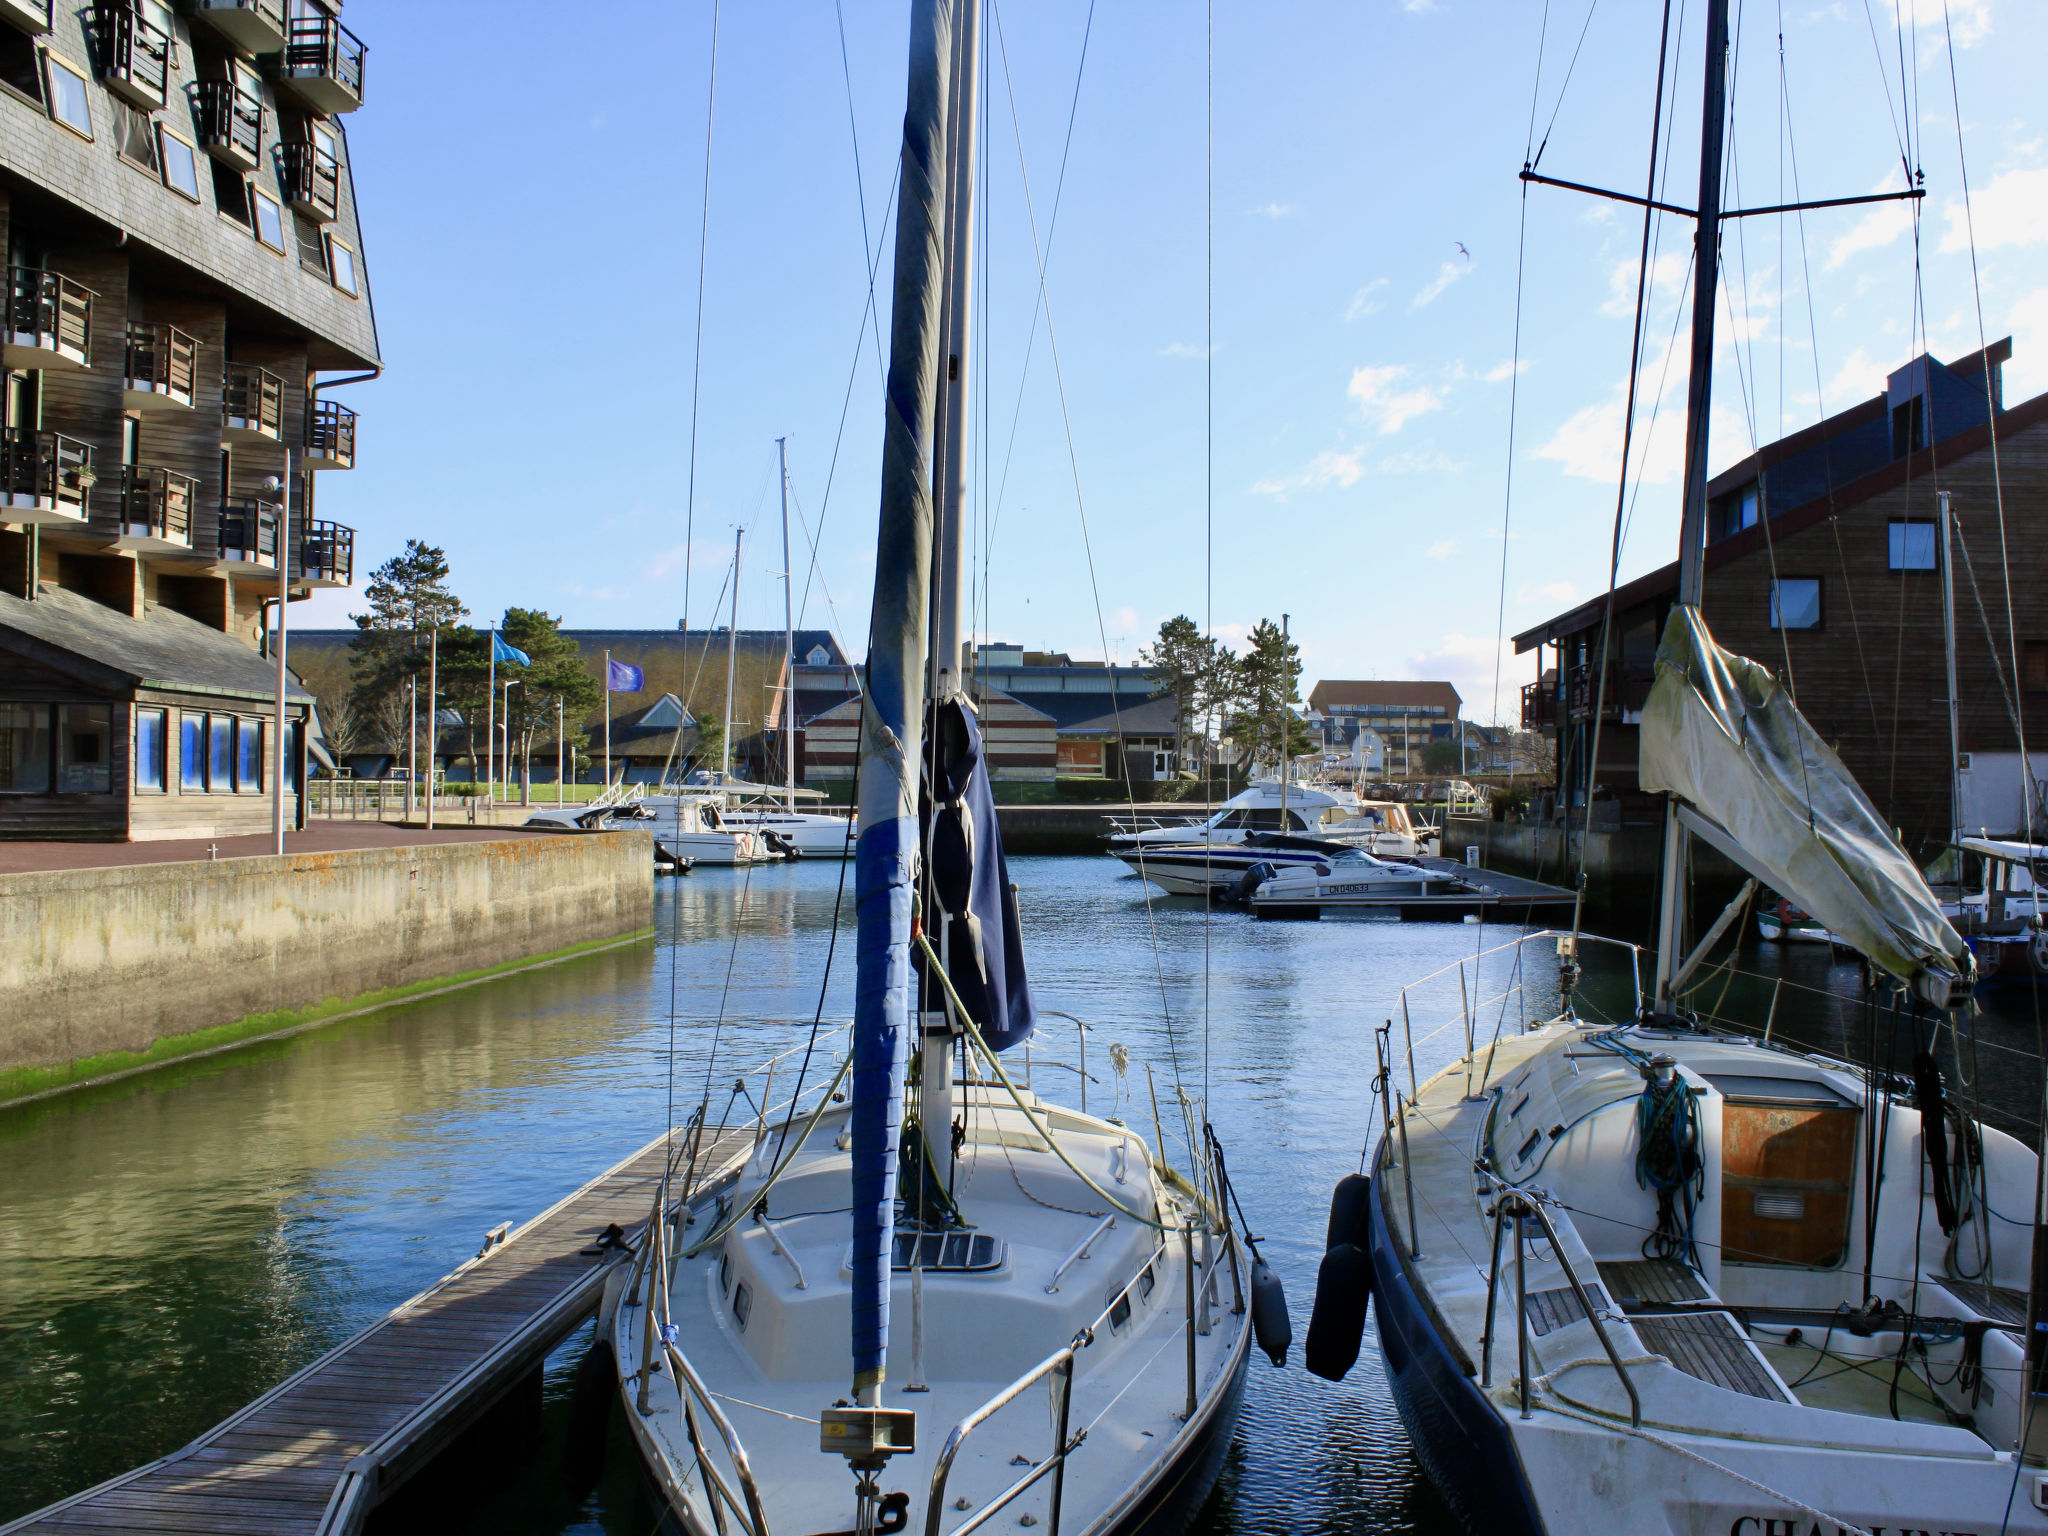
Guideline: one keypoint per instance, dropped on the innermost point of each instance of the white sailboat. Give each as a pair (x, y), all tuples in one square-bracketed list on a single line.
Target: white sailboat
[(1636, 1273), (1079, 1315)]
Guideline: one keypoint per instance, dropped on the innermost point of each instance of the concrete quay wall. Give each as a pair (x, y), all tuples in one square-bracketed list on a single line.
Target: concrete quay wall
[(113, 960), (1622, 866)]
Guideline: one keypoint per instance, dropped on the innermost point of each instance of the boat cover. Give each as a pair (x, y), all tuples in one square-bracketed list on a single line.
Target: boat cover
[(975, 927), (1721, 734)]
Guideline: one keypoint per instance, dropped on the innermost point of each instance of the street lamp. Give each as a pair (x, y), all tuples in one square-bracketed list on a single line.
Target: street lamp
[(274, 485)]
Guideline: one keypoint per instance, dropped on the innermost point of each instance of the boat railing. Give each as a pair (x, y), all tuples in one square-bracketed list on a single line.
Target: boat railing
[(1521, 1206)]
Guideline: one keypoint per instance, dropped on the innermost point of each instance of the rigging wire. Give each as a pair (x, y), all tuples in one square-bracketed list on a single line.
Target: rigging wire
[(697, 359), (1209, 461), (1558, 105)]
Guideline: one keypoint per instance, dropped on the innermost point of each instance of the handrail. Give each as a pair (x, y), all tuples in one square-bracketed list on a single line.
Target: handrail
[(1079, 1253), (755, 1522), (775, 1240), (1061, 1363)]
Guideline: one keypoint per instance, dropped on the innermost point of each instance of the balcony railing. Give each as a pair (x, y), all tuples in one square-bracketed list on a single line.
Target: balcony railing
[(134, 52), (156, 506), (31, 16), (162, 367), (49, 319), (248, 534), (44, 476), (251, 404), (330, 436), (230, 123), (322, 61), (311, 179), (256, 26), (1539, 705), (327, 555)]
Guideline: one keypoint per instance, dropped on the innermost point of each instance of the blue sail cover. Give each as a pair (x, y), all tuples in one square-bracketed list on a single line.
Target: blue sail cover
[(972, 916)]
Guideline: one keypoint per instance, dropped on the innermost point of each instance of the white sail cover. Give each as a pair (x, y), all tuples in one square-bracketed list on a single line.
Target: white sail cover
[(1721, 734)]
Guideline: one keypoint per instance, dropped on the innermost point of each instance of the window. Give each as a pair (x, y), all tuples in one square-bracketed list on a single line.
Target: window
[(85, 749), (149, 751), (135, 137), (19, 71), (269, 220), (1739, 511), (341, 266), (192, 751), (1795, 602), (1912, 545), (181, 165), (230, 192), (24, 749), (248, 756), (312, 244), (69, 102), (742, 1305), (220, 752)]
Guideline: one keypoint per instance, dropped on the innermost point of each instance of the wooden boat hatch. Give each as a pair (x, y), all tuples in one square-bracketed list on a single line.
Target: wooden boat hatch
[(1788, 1167)]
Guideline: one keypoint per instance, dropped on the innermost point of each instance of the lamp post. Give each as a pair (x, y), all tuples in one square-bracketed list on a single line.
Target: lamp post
[(412, 749), (284, 595)]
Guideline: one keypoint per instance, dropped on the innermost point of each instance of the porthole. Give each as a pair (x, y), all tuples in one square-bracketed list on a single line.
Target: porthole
[(1119, 1313), (742, 1305), (1145, 1283)]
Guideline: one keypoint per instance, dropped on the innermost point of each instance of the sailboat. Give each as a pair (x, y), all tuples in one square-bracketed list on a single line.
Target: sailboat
[(1636, 1273), (1079, 1313)]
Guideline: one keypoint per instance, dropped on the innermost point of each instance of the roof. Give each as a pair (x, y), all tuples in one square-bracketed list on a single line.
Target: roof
[(1085, 713), (1332, 693), (162, 649)]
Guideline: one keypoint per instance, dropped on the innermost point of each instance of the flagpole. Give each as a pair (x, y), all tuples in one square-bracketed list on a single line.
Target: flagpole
[(607, 720), (433, 714), (558, 748), (491, 721)]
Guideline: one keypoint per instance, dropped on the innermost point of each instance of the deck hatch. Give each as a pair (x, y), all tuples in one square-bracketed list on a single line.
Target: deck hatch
[(962, 1252)]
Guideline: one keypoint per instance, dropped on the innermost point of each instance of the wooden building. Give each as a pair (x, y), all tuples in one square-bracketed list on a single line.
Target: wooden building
[(1824, 563), (1022, 742), (1406, 716), (183, 265)]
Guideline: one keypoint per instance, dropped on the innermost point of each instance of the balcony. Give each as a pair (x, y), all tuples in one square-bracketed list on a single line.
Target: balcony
[(247, 542), (311, 180), (327, 555), (1539, 706), (49, 318), (156, 509), (251, 405), (330, 436), (230, 123), (45, 477), (31, 16), (322, 62), (133, 52), (162, 368), (254, 26)]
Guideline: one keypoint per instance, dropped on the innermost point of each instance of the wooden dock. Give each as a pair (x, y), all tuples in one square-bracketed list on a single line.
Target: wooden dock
[(316, 1453)]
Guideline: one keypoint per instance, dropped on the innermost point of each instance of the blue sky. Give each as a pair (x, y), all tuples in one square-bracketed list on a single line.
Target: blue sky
[(530, 197)]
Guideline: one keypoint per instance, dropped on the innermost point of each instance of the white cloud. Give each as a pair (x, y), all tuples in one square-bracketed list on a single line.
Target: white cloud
[(1884, 223), (1667, 271), (1443, 549), (1857, 379), (1553, 593), (1365, 301), (1184, 349), (1387, 406), (1433, 290), (2027, 373), (1271, 210), (1418, 7), (2009, 210), (1468, 663), (1326, 469), (1969, 21), (1500, 373), (1416, 461)]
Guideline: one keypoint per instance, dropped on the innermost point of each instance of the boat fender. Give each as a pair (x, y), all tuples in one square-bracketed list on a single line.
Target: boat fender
[(1271, 1325), (1335, 1327), (1347, 1211), (1934, 1136)]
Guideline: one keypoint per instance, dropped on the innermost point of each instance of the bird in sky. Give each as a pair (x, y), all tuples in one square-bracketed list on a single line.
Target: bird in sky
[(1461, 249)]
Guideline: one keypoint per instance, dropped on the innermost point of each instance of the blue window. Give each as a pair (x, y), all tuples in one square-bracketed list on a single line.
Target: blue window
[(1795, 602), (191, 751), (149, 751), (220, 753), (1912, 545), (248, 756)]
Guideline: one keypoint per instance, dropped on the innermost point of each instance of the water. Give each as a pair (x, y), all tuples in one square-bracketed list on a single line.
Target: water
[(175, 1244)]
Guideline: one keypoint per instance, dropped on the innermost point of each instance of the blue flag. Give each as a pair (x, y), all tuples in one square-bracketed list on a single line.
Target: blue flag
[(623, 678), (500, 651)]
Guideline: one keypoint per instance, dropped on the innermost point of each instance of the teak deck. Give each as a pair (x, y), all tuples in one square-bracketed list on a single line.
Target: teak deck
[(315, 1453)]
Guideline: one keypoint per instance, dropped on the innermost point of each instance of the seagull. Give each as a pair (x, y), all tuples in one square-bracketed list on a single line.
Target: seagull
[(1461, 249)]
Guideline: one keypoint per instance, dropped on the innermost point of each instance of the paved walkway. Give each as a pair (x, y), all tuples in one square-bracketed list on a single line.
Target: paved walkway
[(320, 837)]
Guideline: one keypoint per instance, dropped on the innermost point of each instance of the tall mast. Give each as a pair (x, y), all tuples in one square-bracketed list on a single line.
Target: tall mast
[(732, 648), (949, 464), (892, 707), (788, 638), (1692, 530), (1948, 646)]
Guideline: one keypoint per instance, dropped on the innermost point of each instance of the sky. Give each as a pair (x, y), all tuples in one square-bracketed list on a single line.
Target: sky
[(1334, 373)]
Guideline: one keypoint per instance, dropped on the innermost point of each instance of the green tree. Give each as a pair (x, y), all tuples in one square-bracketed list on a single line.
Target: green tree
[(555, 676), (408, 598), (1183, 663), (1266, 681), (1441, 757)]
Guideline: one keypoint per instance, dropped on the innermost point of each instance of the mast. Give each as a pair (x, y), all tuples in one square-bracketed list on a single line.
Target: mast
[(1948, 645), (949, 464), (732, 646), (892, 713), (1692, 530), (788, 638)]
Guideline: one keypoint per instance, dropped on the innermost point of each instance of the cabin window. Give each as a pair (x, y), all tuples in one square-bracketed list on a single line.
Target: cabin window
[(959, 1251), (1912, 545), (742, 1305), (1119, 1313), (269, 220), (85, 749), (341, 266), (1795, 602), (149, 751), (248, 756), (181, 165), (24, 749), (70, 103), (1145, 1283), (192, 752), (220, 752)]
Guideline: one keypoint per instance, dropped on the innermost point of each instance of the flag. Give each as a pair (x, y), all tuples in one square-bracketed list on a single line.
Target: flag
[(500, 651), (621, 678)]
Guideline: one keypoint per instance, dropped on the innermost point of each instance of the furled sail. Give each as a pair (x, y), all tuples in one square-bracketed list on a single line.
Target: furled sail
[(974, 928), (1721, 734)]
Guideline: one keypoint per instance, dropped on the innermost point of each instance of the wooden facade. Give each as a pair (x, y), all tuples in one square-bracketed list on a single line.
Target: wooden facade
[(1022, 742)]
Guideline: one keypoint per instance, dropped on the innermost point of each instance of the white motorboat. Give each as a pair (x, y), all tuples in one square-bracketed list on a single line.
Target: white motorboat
[(1385, 828), (1352, 878), (1228, 870), (688, 826), (810, 833), (1265, 806), (2002, 919)]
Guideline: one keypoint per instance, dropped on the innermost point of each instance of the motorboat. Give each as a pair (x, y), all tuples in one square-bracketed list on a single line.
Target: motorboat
[(2002, 919), (1266, 806), (691, 826), (1779, 922), (1351, 878), (1228, 870), (1383, 827)]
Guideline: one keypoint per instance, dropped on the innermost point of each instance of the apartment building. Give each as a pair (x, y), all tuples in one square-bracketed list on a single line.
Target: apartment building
[(1407, 717), (184, 283)]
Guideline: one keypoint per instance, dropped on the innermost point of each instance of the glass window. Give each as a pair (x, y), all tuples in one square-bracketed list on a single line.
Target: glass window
[(1795, 602), (248, 756), (1912, 546), (149, 751), (269, 221), (181, 166), (220, 751), (191, 751), (341, 265), (85, 749), (135, 135), (69, 102), (25, 749)]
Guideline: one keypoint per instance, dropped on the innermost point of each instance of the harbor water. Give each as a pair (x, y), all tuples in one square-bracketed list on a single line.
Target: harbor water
[(176, 1243)]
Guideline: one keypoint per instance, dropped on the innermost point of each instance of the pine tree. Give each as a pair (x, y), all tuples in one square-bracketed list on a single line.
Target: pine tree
[(1183, 663), (1267, 683), (554, 676), (408, 598)]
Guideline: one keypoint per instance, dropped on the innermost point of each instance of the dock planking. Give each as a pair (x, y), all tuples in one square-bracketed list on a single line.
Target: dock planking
[(314, 1454)]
